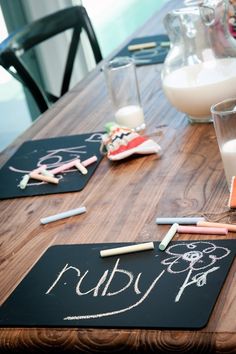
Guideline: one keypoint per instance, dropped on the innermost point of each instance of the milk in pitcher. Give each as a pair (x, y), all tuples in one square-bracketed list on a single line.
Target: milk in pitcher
[(193, 89)]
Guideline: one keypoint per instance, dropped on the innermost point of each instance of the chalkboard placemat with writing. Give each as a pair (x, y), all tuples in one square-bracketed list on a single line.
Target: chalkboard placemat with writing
[(147, 56), (72, 286), (53, 152)]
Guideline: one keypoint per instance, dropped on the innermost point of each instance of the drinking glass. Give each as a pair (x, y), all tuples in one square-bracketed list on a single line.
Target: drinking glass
[(224, 119), (123, 88)]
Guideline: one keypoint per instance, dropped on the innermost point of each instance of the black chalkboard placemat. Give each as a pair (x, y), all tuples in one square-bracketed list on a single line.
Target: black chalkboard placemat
[(72, 286), (154, 55), (53, 152)]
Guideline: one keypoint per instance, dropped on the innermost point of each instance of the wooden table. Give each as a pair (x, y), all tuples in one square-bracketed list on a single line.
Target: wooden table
[(123, 201)]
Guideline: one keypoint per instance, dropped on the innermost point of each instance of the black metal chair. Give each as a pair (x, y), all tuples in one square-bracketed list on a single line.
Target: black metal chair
[(13, 48)]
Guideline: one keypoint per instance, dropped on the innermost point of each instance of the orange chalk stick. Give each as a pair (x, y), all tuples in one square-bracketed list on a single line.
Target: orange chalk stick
[(232, 197), (230, 227), (43, 178)]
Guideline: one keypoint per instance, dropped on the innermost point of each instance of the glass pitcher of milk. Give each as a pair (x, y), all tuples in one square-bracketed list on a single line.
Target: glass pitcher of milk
[(200, 68)]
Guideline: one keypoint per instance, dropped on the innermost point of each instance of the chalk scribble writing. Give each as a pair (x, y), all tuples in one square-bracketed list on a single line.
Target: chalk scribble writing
[(106, 280), (56, 157), (94, 138), (199, 260)]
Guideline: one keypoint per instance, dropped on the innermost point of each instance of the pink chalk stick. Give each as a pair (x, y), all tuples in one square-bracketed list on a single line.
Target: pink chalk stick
[(64, 167), (202, 230), (89, 161), (71, 164)]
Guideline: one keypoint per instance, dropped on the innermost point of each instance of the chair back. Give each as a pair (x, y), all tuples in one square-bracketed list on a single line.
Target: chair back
[(13, 48)]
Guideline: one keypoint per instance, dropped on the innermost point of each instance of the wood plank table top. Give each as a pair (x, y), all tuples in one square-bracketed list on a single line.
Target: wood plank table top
[(123, 201)]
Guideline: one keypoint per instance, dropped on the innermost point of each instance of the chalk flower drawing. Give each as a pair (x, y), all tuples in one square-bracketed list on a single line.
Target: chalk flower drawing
[(193, 257)]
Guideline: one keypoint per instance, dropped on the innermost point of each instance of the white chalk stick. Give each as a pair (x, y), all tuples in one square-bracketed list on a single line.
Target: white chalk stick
[(24, 181), (127, 249), (47, 173), (80, 167), (179, 220), (165, 44), (63, 215), (40, 169), (168, 237)]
